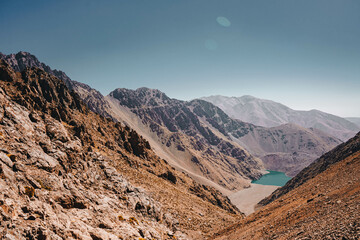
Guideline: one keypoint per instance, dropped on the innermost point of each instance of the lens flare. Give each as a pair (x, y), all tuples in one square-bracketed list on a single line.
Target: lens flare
[(223, 21)]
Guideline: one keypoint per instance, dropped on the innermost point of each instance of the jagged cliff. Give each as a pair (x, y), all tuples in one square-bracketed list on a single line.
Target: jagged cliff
[(93, 98), (66, 172)]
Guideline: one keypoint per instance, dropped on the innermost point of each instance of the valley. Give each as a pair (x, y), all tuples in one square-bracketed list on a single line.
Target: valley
[(160, 148), (179, 120)]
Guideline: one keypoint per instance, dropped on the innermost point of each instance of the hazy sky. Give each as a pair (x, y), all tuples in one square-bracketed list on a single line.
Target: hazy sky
[(304, 54)]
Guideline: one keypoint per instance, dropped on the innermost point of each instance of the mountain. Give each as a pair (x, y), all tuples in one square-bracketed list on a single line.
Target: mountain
[(93, 98), (186, 141), (287, 148), (267, 113), (321, 202), (69, 173), (354, 120)]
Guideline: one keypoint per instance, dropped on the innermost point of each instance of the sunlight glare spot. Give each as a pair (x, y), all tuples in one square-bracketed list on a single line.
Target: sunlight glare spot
[(223, 21)]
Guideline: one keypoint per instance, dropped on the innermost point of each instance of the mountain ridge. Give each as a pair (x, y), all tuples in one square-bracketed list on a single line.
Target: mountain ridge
[(268, 113)]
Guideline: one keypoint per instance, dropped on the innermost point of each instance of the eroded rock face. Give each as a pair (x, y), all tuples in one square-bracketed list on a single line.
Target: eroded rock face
[(93, 98), (66, 173), (49, 198)]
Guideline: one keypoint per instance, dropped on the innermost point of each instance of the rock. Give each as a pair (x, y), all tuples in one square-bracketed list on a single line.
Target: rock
[(42, 160), (69, 201), (169, 176), (9, 236), (5, 159), (19, 167)]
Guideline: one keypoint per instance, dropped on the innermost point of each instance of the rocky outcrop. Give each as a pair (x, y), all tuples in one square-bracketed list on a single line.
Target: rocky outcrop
[(66, 172), (93, 98)]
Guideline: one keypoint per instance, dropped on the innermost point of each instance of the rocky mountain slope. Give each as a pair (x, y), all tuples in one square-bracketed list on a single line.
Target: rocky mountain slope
[(322, 202), (268, 113), (195, 147), (93, 98), (287, 148), (68, 173)]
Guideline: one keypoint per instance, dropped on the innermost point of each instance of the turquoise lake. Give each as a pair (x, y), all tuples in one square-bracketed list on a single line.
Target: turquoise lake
[(273, 178)]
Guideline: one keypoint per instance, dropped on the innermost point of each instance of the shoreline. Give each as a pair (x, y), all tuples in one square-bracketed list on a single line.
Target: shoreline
[(246, 199)]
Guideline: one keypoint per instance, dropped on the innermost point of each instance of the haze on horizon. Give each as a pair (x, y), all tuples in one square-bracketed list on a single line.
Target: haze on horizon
[(304, 54)]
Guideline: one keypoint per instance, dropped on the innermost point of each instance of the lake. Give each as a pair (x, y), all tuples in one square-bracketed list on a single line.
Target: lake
[(274, 178)]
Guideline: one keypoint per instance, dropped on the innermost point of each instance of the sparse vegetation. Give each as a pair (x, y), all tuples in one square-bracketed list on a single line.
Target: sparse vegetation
[(133, 220), (30, 191), (12, 157), (44, 186)]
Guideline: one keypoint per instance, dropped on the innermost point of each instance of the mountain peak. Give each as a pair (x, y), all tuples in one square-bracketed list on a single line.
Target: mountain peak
[(248, 97), (142, 97)]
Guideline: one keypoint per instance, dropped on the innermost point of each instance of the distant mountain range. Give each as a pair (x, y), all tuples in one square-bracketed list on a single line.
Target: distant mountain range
[(355, 120), (268, 113)]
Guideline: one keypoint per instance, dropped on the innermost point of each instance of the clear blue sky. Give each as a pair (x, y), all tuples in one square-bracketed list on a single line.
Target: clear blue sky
[(304, 54)]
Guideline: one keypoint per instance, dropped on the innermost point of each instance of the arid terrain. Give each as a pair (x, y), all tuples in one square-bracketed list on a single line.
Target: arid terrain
[(179, 120)]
